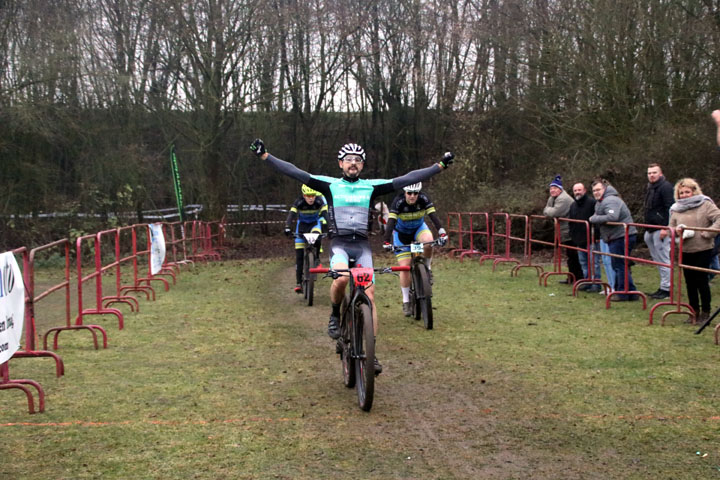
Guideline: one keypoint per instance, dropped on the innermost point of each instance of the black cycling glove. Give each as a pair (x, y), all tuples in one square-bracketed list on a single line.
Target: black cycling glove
[(258, 147), (447, 159)]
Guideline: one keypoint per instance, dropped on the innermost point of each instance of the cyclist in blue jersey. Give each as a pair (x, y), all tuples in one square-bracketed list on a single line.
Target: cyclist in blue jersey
[(349, 199), (310, 212), (406, 224)]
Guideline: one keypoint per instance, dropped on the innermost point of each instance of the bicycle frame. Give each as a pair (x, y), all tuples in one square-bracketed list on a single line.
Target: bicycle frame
[(356, 344), (420, 287)]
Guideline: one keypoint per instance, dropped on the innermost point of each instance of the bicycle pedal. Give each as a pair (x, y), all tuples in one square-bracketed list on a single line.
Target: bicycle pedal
[(338, 347)]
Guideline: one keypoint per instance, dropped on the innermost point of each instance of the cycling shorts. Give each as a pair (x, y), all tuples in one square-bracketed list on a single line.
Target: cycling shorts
[(353, 253), (401, 239)]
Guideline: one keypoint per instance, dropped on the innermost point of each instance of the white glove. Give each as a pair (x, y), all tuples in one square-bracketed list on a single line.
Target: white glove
[(442, 237)]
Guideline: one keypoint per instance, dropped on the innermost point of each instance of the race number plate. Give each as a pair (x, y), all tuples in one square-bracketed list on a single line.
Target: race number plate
[(311, 237), (362, 276), (416, 248)]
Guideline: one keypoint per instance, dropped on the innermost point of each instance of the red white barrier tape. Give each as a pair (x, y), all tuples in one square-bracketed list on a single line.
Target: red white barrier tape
[(255, 223)]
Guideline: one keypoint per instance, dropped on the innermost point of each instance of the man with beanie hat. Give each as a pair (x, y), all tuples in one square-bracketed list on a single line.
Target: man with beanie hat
[(558, 206)]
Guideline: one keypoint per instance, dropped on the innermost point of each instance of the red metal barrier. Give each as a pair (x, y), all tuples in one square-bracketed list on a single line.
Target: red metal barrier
[(131, 255), (147, 252), (108, 300), (458, 230), (31, 298), (626, 260), (93, 329), (202, 243), (677, 303), (176, 246), (557, 251), (589, 252), (6, 383), (526, 246), (217, 239), (97, 275), (473, 220), (504, 220), (166, 270)]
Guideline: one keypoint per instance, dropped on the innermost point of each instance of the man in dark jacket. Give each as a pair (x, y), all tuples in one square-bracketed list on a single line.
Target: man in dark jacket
[(582, 209), (658, 199)]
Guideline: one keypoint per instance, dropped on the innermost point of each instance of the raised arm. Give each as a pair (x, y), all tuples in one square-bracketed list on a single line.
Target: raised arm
[(716, 118), (287, 168), (415, 176)]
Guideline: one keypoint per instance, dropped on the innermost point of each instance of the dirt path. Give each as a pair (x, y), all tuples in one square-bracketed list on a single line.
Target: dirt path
[(440, 423)]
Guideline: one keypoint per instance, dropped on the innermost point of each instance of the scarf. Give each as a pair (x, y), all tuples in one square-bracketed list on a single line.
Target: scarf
[(685, 204)]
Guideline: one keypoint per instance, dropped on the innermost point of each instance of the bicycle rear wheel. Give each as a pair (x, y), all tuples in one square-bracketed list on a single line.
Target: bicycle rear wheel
[(310, 278), (426, 300), (346, 351), (364, 347)]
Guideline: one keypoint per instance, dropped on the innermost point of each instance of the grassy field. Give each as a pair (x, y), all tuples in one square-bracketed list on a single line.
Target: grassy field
[(230, 376)]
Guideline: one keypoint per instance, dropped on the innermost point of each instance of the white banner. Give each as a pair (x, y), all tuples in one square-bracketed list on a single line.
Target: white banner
[(12, 306), (157, 248)]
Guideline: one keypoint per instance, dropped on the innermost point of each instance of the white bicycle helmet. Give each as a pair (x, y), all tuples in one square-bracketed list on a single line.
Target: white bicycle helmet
[(351, 149), (415, 187)]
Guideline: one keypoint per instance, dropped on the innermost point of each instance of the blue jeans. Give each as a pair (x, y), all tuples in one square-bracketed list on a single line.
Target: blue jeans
[(607, 264), (583, 257), (660, 252), (617, 247)]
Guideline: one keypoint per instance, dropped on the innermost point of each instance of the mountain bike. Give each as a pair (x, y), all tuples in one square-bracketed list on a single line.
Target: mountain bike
[(420, 285), (356, 344), (313, 241)]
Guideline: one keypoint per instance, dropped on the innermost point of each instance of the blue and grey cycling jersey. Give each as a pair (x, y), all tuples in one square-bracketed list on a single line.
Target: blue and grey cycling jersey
[(349, 200)]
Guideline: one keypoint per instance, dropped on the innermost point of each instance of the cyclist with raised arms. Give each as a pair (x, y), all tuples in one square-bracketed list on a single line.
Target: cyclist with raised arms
[(406, 224), (310, 212), (349, 200)]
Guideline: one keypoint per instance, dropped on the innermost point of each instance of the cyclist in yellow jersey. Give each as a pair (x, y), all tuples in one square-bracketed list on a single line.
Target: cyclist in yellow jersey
[(309, 214), (406, 224)]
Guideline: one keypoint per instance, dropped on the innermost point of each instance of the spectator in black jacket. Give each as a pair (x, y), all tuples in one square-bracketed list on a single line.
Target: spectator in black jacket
[(658, 199), (582, 209)]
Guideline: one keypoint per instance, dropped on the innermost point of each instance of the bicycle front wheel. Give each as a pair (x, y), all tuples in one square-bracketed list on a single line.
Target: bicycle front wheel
[(426, 300), (346, 350), (305, 275), (364, 346), (310, 278)]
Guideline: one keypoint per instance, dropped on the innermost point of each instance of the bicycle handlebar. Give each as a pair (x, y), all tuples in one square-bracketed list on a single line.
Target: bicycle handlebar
[(397, 268), (302, 235), (400, 247)]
